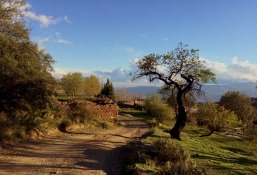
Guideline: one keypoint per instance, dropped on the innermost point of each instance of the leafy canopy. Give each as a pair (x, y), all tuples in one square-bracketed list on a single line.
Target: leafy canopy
[(92, 86), (182, 68), (72, 83), (25, 71)]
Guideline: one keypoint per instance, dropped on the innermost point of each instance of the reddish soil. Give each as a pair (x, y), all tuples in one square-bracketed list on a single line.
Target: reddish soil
[(85, 153)]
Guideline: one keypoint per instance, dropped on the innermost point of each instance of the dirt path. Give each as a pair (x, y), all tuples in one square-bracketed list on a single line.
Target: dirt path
[(77, 153)]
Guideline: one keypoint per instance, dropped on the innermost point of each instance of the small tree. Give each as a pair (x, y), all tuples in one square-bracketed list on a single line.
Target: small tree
[(182, 70), (92, 86), (243, 107), (108, 90), (72, 83), (215, 117)]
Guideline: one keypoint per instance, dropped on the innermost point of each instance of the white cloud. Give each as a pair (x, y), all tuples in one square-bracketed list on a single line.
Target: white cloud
[(237, 70), (44, 20), (59, 72)]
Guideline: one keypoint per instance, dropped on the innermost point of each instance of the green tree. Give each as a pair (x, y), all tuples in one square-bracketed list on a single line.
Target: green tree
[(73, 83), (108, 90), (26, 84), (242, 105), (181, 70), (216, 117), (92, 86)]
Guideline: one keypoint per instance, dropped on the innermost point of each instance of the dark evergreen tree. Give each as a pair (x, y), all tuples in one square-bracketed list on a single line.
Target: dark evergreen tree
[(108, 90)]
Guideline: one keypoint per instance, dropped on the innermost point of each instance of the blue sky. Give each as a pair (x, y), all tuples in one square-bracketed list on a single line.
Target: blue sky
[(106, 37)]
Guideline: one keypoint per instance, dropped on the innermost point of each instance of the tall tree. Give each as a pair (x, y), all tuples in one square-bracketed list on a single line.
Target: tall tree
[(25, 78), (92, 86), (181, 70), (72, 83)]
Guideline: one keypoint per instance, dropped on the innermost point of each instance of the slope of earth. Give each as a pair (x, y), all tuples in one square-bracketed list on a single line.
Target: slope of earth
[(93, 153)]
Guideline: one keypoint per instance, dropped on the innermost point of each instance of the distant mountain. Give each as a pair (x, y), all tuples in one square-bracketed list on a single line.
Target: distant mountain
[(144, 90), (212, 92)]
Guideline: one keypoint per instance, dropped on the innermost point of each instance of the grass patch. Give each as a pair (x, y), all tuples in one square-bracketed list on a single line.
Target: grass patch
[(218, 152), (223, 154), (136, 113)]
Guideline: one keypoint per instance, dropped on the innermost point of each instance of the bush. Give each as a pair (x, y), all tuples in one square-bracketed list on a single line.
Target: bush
[(161, 111), (174, 159), (80, 113), (216, 117), (168, 150), (164, 157)]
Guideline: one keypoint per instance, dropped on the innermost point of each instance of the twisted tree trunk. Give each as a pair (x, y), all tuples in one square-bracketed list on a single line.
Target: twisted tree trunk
[(181, 118)]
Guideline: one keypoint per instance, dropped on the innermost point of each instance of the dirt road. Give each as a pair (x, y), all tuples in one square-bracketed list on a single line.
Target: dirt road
[(94, 153)]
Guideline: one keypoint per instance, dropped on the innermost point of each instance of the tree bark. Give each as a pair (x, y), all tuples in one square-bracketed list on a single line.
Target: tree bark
[(181, 119)]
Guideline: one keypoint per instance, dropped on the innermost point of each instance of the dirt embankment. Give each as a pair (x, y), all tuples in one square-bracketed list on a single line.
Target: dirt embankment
[(74, 153)]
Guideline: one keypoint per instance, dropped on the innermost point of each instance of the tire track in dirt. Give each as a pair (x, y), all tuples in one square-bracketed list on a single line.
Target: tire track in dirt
[(88, 153)]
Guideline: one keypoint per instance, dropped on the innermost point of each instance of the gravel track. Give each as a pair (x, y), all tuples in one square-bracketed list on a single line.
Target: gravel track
[(88, 153)]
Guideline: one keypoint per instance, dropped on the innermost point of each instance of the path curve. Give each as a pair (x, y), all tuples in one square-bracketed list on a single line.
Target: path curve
[(92, 153)]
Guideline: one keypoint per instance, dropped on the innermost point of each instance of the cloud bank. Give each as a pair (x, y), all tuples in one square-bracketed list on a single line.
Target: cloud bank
[(236, 71)]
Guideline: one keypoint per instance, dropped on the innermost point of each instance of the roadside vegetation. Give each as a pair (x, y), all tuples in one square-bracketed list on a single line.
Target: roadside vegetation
[(216, 154), (227, 147), (34, 104)]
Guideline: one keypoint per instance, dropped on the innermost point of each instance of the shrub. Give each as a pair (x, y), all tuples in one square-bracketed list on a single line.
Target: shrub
[(168, 150), (174, 159), (215, 117), (80, 113), (164, 157), (161, 111)]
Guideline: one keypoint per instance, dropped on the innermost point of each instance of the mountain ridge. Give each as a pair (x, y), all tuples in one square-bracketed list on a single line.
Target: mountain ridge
[(213, 92)]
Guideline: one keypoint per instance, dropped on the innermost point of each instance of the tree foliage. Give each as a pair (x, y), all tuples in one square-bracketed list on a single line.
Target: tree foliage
[(73, 83), (243, 107), (25, 78), (156, 107), (182, 71), (26, 83), (108, 90), (92, 86), (240, 103), (216, 117)]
